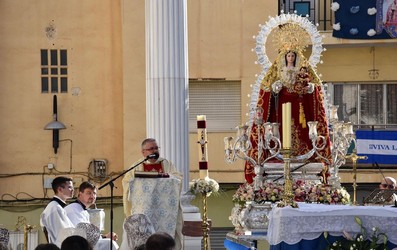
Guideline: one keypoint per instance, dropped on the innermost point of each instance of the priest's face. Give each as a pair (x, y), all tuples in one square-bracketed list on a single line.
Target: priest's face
[(88, 197), (149, 148)]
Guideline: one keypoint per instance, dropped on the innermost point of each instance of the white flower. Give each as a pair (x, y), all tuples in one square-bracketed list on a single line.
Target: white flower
[(371, 11), (335, 6), (204, 186), (371, 32), (336, 26)]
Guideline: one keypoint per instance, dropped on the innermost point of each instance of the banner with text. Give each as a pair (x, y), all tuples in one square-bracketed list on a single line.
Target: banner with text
[(379, 146), (365, 19)]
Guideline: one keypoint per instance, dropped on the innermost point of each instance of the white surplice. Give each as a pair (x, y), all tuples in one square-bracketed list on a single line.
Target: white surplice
[(55, 220), (77, 213)]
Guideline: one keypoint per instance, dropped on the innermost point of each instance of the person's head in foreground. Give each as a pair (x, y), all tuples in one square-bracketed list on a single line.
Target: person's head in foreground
[(47, 246), (75, 242), (160, 241)]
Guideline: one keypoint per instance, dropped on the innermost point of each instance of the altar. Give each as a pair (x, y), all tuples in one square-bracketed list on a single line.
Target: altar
[(303, 228)]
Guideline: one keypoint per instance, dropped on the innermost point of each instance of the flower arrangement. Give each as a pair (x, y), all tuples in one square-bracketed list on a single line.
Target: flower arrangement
[(244, 193), (300, 190), (362, 241), (270, 191), (326, 194), (303, 192), (205, 186)]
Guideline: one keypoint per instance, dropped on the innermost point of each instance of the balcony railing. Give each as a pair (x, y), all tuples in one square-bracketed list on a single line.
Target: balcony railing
[(318, 11)]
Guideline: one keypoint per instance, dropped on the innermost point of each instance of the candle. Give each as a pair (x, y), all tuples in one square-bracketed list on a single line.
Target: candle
[(349, 128), (334, 112), (268, 131), (228, 142), (276, 130), (312, 129), (202, 146), (286, 115)]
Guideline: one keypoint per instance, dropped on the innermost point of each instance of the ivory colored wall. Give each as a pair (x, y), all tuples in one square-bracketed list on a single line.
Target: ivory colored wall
[(134, 80), (351, 64), (91, 33)]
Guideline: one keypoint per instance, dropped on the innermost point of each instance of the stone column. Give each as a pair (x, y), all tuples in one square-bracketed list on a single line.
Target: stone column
[(167, 99), (167, 80)]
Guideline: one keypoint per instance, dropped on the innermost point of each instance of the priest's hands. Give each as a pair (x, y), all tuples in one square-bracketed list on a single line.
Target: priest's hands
[(109, 235)]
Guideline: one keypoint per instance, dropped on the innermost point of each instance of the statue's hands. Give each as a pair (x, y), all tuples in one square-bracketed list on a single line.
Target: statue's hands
[(277, 86), (309, 88)]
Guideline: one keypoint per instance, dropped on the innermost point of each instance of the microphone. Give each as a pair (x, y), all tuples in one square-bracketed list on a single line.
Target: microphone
[(153, 156)]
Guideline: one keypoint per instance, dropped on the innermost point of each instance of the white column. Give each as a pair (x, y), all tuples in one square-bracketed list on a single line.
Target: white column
[(167, 80)]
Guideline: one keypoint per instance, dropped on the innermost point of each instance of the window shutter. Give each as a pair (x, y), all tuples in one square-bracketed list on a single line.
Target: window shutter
[(219, 100)]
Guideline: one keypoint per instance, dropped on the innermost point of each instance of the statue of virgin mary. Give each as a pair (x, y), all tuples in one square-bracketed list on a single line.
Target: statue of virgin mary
[(291, 79)]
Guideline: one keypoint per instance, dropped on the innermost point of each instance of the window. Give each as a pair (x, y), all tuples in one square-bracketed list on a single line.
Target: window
[(302, 8), (361, 103), (54, 71), (219, 100)]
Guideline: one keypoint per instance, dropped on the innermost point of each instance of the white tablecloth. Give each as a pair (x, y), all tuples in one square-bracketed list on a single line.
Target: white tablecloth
[(309, 221), (158, 199)]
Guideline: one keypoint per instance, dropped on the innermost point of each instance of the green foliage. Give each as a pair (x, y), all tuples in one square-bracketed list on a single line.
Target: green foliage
[(362, 241)]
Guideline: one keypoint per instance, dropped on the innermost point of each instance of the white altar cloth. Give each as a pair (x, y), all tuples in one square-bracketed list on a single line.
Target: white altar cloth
[(309, 221), (158, 199)]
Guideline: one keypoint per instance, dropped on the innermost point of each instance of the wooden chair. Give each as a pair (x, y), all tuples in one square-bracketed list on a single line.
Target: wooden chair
[(46, 234)]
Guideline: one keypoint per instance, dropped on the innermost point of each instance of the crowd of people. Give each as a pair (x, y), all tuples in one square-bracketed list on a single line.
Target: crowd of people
[(61, 221)]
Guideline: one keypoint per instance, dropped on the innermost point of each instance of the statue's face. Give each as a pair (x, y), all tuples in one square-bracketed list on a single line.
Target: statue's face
[(290, 57)]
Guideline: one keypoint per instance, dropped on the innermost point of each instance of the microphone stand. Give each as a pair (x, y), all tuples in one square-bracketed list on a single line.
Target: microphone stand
[(111, 184)]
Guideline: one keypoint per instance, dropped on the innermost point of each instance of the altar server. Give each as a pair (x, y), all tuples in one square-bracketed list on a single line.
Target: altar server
[(54, 218)]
